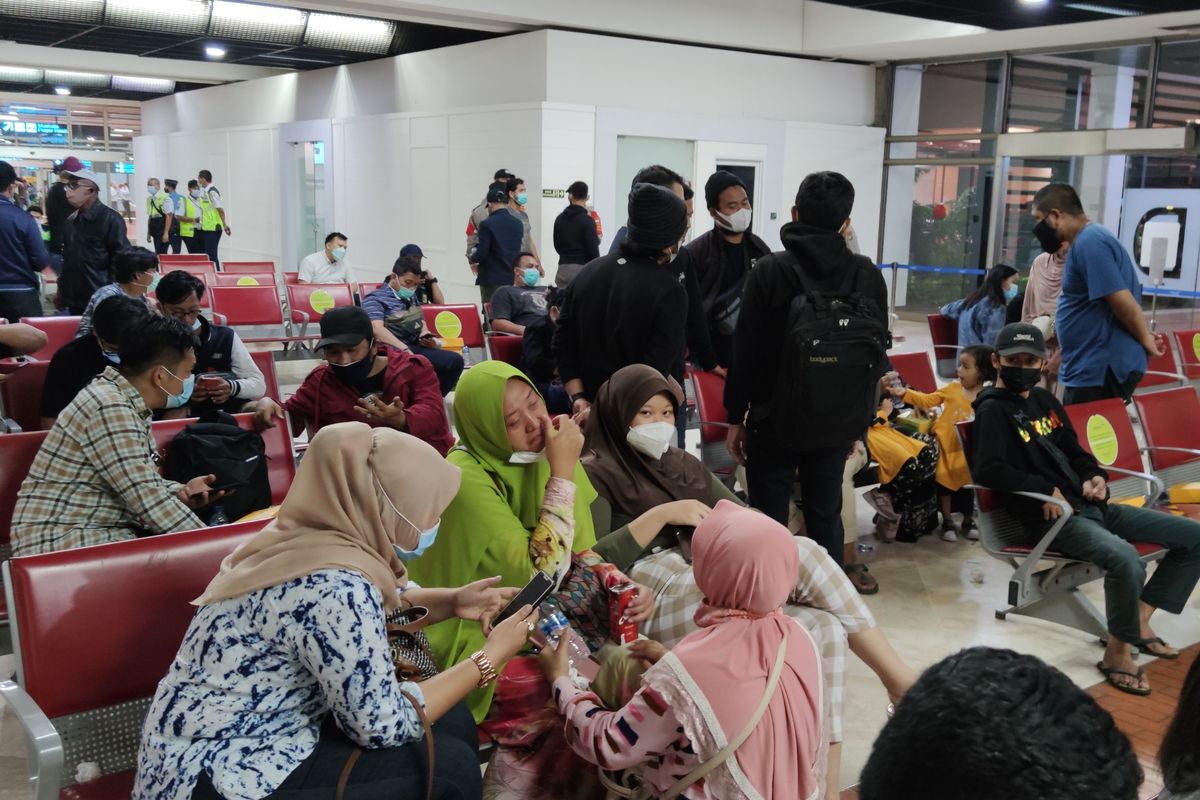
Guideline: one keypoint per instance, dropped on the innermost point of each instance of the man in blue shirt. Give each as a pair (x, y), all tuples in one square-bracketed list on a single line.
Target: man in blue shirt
[(1103, 334), (22, 253), (499, 245)]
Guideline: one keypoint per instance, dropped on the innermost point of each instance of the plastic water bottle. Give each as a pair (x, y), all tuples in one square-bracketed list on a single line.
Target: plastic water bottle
[(466, 354), (897, 383), (552, 626), (218, 517)]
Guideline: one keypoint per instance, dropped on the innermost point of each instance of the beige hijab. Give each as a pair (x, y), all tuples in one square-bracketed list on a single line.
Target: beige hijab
[(342, 513)]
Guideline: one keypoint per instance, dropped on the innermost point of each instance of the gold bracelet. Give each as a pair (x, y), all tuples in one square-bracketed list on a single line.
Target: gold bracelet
[(487, 672)]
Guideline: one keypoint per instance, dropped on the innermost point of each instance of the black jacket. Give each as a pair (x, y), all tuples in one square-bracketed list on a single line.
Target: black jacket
[(575, 236), (766, 301), (713, 278), (537, 352), (1007, 457), (92, 238), (499, 245), (619, 312), (57, 210)]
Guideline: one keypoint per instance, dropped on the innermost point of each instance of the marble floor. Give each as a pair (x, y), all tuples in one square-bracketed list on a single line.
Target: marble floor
[(927, 604)]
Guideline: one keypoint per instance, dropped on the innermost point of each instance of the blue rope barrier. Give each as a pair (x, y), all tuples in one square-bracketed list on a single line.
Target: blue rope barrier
[(947, 270), (1170, 292)]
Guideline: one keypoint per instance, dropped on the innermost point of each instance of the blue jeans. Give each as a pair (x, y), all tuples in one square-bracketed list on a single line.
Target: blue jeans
[(1102, 535), (447, 364)]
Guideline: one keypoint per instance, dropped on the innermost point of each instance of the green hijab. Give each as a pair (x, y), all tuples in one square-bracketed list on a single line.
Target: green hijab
[(485, 530)]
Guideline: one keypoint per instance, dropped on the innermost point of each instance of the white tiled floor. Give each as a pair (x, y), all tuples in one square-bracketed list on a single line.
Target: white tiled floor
[(927, 605)]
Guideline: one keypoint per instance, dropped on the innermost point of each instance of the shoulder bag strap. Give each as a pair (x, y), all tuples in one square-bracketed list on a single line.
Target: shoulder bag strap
[(723, 755), (357, 752)]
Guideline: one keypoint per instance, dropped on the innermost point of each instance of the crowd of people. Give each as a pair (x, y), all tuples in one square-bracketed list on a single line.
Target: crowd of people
[(571, 469)]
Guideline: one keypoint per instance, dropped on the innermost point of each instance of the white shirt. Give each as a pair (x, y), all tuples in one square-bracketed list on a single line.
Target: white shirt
[(214, 196), (316, 268), (164, 200)]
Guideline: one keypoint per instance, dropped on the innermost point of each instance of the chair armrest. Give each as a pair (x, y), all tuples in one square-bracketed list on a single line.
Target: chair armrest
[(1047, 539), (715, 424), (300, 316), (1177, 376), (219, 318), (42, 740), (1150, 449), (1157, 482), (492, 334), (936, 347)]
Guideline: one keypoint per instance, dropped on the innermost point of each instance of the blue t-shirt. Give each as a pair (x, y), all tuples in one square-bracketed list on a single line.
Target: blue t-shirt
[(1091, 338), (403, 318)]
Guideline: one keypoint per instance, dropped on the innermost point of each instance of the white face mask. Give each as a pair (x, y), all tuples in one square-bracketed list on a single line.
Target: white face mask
[(738, 221), (527, 457), (652, 439)]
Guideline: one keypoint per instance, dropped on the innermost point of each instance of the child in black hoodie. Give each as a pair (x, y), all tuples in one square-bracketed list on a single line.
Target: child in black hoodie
[(1024, 442)]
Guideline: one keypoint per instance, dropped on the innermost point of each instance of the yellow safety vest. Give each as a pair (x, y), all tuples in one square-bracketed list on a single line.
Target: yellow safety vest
[(210, 218), (154, 205), (187, 228)]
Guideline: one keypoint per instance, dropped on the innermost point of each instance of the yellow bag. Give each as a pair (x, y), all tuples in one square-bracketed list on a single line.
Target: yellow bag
[(1184, 493)]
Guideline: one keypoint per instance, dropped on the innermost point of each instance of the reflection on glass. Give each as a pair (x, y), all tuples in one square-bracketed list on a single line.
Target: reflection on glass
[(946, 98), (1177, 93), (310, 164), (1084, 90)]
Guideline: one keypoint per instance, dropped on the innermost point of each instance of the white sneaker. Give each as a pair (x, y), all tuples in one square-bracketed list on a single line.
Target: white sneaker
[(972, 532), (948, 535)]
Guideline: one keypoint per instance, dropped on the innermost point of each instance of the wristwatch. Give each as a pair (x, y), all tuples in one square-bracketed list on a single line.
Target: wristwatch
[(431, 280), (487, 672)]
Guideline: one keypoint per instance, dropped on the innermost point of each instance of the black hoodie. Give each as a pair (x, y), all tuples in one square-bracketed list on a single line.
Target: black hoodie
[(767, 299), (1008, 458)]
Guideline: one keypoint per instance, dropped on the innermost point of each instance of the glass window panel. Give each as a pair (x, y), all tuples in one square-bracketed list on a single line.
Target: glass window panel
[(1177, 93), (1085, 90), (946, 98), (943, 148)]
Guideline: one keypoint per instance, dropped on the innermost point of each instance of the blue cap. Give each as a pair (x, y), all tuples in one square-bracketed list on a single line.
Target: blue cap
[(411, 250)]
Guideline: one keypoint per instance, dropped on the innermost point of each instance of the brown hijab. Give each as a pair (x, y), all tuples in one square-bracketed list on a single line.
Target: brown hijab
[(631, 482), (343, 512)]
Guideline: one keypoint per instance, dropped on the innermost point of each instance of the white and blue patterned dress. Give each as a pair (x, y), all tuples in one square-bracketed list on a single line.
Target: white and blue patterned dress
[(256, 675)]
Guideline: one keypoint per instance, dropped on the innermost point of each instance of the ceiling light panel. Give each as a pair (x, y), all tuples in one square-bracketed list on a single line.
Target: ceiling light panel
[(257, 23), (65, 10), (20, 75), (337, 32), (188, 17), (130, 83), (79, 80)]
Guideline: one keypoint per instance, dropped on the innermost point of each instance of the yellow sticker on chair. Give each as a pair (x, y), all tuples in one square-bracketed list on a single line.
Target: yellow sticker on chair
[(1102, 439), (321, 301), (247, 281), (1196, 345), (447, 324)]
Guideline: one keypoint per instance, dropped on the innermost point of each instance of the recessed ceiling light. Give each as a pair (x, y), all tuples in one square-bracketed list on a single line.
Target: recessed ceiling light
[(1035, 2), (122, 130), (62, 90), (1096, 8), (212, 51)]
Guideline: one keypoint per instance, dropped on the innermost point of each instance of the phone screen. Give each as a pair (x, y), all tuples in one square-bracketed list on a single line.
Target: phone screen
[(533, 594)]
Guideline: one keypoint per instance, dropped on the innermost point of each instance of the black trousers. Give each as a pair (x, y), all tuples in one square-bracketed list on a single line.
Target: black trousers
[(1111, 388), (195, 242), (20, 303), (386, 774), (771, 470), (212, 241)]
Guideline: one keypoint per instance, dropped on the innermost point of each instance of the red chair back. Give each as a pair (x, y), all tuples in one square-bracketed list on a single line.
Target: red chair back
[(245, 279), (365, 289), (1170, 419), (1165, 364), (455, 321), (507, 348), (291, 277), (205, 272), (943, 332), (986, 497), (58, 330), (710, 405), (17, 451), (914, 370), (314, 299), (1189, 351), (266, 364), (246, 305), (248, 266), (1104, 430), (183, 258), (100, 625), (22, 394)]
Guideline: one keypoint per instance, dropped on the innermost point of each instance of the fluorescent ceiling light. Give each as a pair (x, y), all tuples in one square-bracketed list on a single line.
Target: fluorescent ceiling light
[(10, 118), (1034, 2), (91, 138), (90, 80), (338, 32), (62, 90), (1096, 8), (170, 16), (122, 130), (20, 75), (66, 10), (257, 23), (132, 83), (212, 51)]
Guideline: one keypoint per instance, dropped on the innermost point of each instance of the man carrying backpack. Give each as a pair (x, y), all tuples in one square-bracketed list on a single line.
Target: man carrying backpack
[(808, 353)]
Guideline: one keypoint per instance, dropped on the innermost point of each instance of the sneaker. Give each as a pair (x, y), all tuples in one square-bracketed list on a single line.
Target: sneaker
[(972, 531), (948, 534)]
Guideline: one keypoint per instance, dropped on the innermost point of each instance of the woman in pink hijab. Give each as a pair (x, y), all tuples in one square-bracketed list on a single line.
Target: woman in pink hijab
[(734, 710)]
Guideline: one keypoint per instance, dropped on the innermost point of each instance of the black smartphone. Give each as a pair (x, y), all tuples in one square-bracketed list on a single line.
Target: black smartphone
[(228, 487), (533, 594), (683, 535)]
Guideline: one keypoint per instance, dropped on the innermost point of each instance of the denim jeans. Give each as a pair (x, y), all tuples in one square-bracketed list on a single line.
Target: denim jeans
[(447, 364), (1102, 535)]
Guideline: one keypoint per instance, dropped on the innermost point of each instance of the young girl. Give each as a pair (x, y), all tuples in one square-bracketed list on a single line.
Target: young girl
[(981, 314), (974, 371)]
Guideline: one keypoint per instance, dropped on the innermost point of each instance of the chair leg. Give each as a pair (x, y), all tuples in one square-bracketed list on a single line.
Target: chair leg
[(1068, 608)]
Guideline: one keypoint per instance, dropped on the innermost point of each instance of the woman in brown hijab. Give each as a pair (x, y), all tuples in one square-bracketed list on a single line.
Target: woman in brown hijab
[(657, 493), (285, 668)]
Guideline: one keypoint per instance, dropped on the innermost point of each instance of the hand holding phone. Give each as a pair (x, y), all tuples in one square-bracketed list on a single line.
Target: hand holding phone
[(537, 590)]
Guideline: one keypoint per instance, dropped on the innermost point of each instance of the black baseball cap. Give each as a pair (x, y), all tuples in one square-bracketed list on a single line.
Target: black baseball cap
[(345, 326), (411, 250), (1020, 337), (497, 195)]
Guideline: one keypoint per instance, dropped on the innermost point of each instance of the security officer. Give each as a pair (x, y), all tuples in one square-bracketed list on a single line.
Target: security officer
[(190, 217), (160, 213), (214, 221), (176, 207)]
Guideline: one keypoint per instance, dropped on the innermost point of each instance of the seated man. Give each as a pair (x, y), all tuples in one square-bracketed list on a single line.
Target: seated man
[(524, 303), (135, 274), (78, 362), (95, 478), (1023, 441), (328, 265), (364, 381), (19, 339), (396, 317), (990, 724), (537, 355), (226, 376), (428, 293)]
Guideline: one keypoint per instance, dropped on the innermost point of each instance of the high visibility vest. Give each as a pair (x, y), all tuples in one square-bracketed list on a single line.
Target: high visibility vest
[(187, 228), (154, 205), (210, 218)]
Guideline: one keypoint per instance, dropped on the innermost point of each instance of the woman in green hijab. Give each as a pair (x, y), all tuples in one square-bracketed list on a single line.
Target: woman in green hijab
[(524, 505)]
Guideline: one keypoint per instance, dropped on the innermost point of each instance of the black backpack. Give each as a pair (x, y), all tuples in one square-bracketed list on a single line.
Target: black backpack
[(233, 454), (833, 353)]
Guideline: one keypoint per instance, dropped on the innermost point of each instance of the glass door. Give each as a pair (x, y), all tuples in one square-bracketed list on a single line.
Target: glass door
[(309, 161)]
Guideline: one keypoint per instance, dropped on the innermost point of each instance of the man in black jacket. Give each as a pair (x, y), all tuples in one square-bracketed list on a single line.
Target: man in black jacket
[(722, 258), (815, 239), (1024, 442), (575, 236), (93, 236)]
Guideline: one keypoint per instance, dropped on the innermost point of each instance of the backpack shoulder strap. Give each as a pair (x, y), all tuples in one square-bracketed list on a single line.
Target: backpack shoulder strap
[(816, 297)]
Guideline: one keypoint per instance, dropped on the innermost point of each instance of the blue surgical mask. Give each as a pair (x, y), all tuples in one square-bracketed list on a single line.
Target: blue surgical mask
[(150, 287), (522, 199), (196, 324), (532, 276), (405, 293), (113, 357), (153, 190), (1010, 293), (179, 400), (338, 253), (195, 193), (424, 541)]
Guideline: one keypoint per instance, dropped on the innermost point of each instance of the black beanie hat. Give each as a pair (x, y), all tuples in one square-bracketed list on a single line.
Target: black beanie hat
[(657, 216), (718, 182)]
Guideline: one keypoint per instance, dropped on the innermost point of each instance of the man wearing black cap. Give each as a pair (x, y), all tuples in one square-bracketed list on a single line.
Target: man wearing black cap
[(22, 254), (479, 213), (1024, 445), (364, 381), (499, 245), (722, 257), (58, 209), (629, 308)]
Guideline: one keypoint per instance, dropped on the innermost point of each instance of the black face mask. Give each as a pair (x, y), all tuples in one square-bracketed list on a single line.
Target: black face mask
[(1047, 237), (1020, 379), (355, 372)]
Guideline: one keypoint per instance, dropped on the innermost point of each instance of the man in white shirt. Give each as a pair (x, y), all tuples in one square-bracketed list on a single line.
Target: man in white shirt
[(328, 265)]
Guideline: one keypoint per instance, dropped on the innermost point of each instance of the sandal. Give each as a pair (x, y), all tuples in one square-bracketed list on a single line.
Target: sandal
[(1156, 640), (1110, 674), (864, 582)]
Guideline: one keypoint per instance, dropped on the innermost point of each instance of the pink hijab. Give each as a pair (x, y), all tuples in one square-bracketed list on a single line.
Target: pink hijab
[(746, 564)]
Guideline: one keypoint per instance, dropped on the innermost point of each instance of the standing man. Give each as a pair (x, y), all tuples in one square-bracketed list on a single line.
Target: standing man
[(478, 214), (213, 220), (172, 224), (58, 209), (1101, 329), (126, 201), (94, 235), (22, 254), (576, 238), (499, 245), (328, 265), (191, 215), (518, 198), (160, 214), (722, 258)]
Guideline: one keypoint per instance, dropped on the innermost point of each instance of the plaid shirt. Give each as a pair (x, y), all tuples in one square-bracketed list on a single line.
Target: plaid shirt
[(95, 478)]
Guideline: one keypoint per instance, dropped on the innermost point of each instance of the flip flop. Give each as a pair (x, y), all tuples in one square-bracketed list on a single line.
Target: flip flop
[(863, 581), (1156, 640), (1110, 672)]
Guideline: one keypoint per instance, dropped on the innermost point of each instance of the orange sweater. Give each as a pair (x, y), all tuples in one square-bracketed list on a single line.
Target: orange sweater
[(952, 471)]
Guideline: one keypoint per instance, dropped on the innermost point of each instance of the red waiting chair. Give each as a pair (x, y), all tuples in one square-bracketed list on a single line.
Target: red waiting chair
[(308, 302), (244, 279), (249, 305), (456, 321), (1104, 430), (182, 258), (506, 348), (914, 370), (1189, 352), (22, 394), (248, 266), (265, 362), (58, 330), (291, 277), (17, 451), (1163, 371), (943, 331), (1171, 423), (709, 390)]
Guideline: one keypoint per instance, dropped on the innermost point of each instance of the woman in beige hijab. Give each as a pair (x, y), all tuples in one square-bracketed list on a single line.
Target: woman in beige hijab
[(285, 668)]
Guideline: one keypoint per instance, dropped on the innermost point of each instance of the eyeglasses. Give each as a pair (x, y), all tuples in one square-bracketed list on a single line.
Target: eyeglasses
[(76, 185)]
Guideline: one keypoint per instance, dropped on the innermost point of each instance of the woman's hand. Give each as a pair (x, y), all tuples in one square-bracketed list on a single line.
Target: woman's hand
[(886, 408), (508, 637), (684, 512), (648, 651), (480, 601), (564, 443), (555, 661), (641, 606)]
